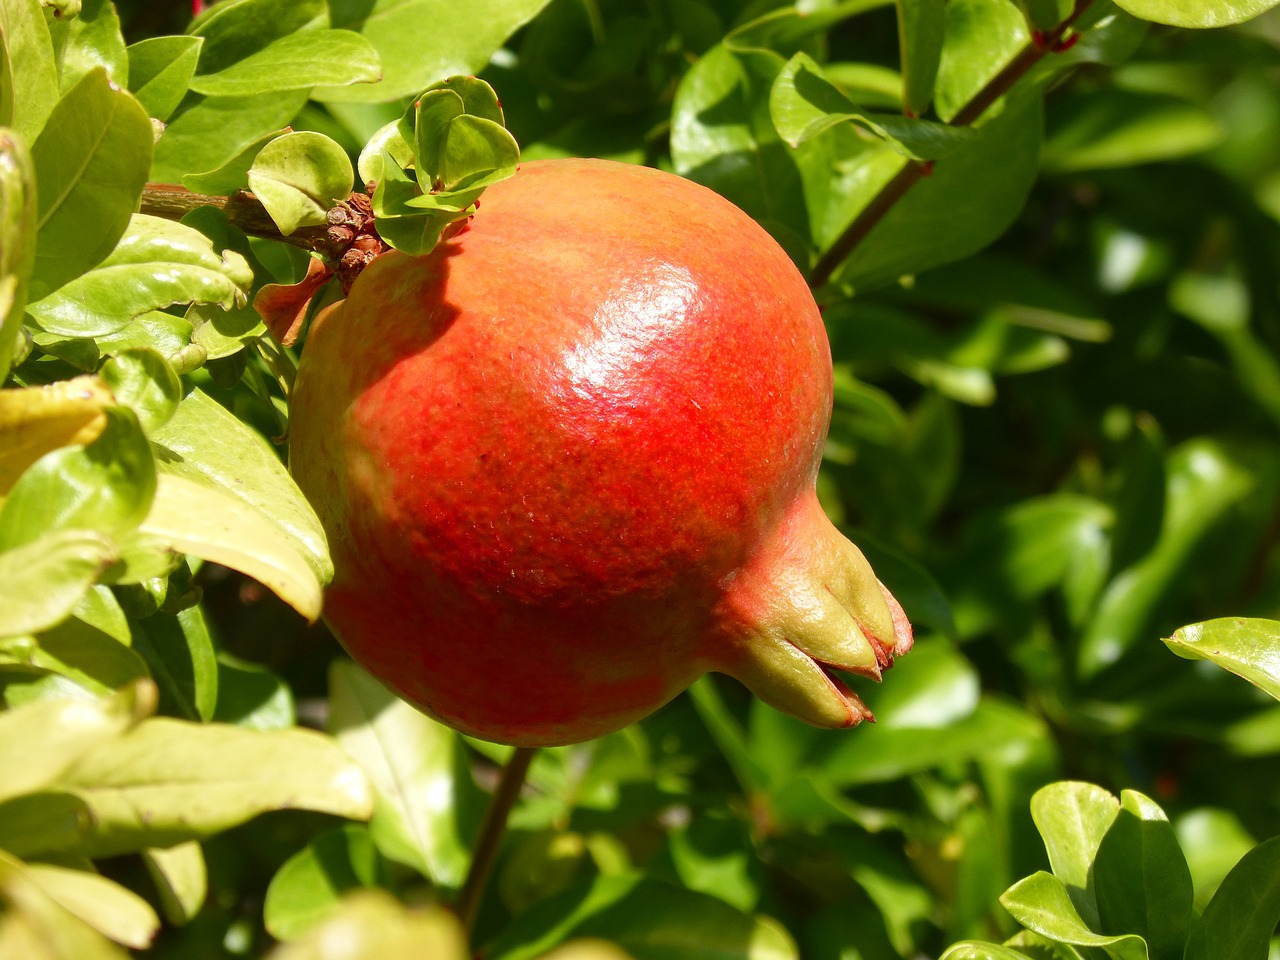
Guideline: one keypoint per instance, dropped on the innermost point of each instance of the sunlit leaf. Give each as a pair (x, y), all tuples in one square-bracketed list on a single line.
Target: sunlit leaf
[(91, 163), (427, 802), (28, 70), (204, 522), (1249, 648), (310, 885), (17, 239), (1197, 13), (167, 781), (298, 177), (156, 263), (114, 911), (160, 68), (296, 61), (372, 925), (1041, 903), (180, 878), (420, 41)]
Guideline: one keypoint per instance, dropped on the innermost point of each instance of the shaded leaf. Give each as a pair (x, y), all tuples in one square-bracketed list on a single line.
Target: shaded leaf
[(1141, 878), (921, 27), (179, 651), (205, 133), (648, 919), (1240, 920), (142, 380), (310, 885), (42, 581)]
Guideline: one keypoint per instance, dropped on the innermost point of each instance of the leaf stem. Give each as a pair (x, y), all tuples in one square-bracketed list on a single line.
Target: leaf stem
[(490, 836), (913, 172)]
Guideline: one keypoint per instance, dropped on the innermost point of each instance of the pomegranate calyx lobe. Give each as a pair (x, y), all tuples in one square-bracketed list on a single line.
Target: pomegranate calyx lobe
[(806, 604)]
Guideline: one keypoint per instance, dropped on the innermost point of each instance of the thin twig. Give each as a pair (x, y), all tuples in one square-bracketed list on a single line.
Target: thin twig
[(913, 172), (490, 836), (242, 209)]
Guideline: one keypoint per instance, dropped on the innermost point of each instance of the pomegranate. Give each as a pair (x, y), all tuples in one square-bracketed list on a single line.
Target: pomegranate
[(566, 464)]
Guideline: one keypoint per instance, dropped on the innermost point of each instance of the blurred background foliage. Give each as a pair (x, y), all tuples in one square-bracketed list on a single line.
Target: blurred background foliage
[(1054, 436)]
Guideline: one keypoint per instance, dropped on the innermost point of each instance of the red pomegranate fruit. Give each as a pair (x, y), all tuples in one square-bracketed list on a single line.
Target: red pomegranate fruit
[(566, 464)]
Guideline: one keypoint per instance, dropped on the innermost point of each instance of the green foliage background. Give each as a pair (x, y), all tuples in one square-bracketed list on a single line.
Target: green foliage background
[(1054, 436)]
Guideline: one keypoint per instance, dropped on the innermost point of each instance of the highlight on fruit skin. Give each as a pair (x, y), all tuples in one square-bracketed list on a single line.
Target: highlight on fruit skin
[(566, 464)]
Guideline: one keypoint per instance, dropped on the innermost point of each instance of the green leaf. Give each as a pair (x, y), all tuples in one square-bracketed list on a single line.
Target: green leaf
[(310, 885), (252, 696), (234, 174), (1249, 648), (179, 651), (648, 919), (167, 781), (921, 28), (1203, 483), (44, 823), (1121, 128), (235, 31), (983, 186), (896, 753), (1141, 879), (181, 879), (206, 443), (1240, 920), (89, 40), (114, 911), (34, 926), (28, 70), (143, 381), (373, 924), (1214, 840), (160, 71), (1045, 15), (40, 740), (207, 132), (982, 36), (89, 657), (976, 950), (1072, 819), (421, 41), (803, 104), (297, 61), (298, 177), (91, 163), (42, 581), (1041, 904), (17, 239), (388, 139), (427, 803), (105, 487), (200, 520), (1197, 13), (156, 263), (478, 152)]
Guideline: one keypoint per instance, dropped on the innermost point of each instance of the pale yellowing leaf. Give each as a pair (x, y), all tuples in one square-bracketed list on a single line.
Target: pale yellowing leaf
[(372, 925), (168, 781), (35, 420), (181, 879), (42, 739), (114, 911), (206, 523)]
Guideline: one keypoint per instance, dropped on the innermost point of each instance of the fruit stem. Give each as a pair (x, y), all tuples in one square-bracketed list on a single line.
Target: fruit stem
[(913, 173), (490, 836)]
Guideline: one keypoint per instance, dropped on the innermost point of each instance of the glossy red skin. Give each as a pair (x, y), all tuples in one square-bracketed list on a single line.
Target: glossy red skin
[(543, 452)]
